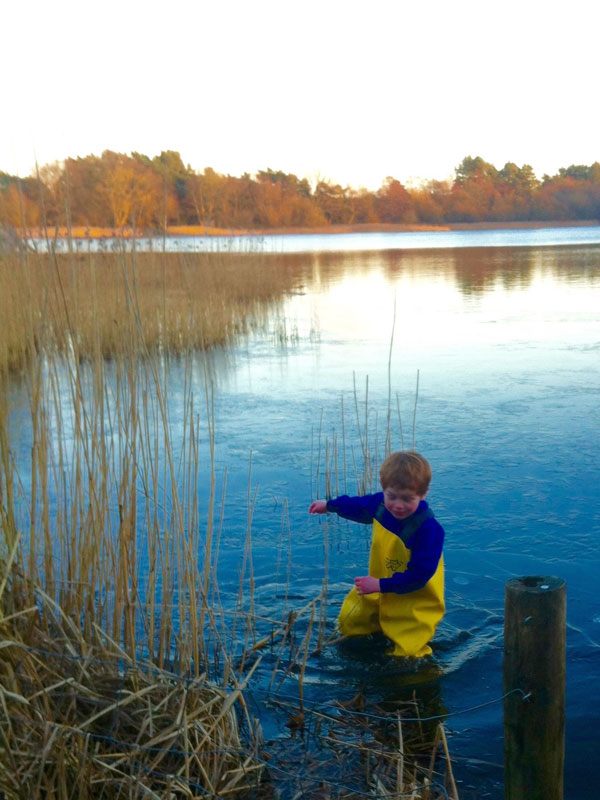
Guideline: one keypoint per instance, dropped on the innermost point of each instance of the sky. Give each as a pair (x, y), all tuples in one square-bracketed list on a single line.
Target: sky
[(350, 92)]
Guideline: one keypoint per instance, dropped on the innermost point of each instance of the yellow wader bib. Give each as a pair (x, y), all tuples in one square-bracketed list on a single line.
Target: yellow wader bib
[(409, 620)]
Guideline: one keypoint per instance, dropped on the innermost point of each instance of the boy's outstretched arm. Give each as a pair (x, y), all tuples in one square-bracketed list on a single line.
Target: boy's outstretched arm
[(318, 507), (357, 509), (366, 584)]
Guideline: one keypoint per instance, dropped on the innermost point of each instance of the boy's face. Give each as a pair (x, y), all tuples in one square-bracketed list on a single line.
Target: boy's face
[(400, 501)]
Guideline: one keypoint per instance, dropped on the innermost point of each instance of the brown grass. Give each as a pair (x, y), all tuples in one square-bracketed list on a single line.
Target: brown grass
[(105, 304), (81, 719)]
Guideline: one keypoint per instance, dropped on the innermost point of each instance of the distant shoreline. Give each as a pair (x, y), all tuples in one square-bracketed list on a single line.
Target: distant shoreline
[(83, 232)]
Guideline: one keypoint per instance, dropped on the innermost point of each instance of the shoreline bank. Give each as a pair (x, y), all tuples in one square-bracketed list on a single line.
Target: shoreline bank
[(82, 232)]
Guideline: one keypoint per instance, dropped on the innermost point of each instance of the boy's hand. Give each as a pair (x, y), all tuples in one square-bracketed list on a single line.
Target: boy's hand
[(367, 584), (318, 507)]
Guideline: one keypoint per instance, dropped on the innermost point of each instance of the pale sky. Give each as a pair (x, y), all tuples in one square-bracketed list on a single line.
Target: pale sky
[(348, 91)]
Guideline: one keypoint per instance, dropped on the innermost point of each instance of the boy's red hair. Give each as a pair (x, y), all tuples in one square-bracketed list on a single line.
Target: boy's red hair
[(407, 470)]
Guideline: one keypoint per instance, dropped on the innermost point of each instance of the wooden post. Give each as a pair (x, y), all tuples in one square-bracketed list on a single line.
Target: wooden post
[(534, 666)]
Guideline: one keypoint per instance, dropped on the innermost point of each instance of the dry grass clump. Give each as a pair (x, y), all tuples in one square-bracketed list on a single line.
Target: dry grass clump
[(81, 720), (127, 302)]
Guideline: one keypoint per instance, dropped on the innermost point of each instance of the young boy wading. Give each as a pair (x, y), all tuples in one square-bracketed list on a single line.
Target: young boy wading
[(403, 594)]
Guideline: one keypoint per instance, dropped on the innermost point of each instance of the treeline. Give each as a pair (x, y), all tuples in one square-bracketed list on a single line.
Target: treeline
[(117, 190)]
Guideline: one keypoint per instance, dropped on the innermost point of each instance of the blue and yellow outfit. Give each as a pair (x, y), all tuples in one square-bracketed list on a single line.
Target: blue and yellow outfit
[(406, 556)]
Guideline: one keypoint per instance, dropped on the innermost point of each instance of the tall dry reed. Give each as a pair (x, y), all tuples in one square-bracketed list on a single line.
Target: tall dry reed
[(107, 559), (113, 633)]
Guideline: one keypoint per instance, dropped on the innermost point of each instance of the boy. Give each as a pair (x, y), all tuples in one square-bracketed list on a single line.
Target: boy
[(403, 594)]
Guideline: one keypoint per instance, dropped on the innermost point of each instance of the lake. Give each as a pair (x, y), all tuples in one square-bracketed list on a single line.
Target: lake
[(485, 348)]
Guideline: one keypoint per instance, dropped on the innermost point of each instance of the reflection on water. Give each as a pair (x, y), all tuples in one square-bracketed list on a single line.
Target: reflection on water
[(507, 344), (472, 270)]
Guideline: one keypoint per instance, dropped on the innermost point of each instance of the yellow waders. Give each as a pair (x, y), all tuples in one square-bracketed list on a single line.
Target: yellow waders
[(409, 620)]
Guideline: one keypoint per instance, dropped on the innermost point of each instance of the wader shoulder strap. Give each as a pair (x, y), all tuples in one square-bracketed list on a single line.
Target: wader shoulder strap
[(411, 525)]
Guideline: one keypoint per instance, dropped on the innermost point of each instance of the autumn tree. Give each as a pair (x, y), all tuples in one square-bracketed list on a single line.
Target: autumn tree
[(393, 203), (17, 208), (80, 191), (133, 191), (290, 184), (514, 192), (51, 181), (430, 200), (332, 202), (361, 203), (282, 200), (206, 194), (239, 202), (178, 204), (474, 192)]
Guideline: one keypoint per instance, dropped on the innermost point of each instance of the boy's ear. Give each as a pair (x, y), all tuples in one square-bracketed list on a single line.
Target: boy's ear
[(423, 496)]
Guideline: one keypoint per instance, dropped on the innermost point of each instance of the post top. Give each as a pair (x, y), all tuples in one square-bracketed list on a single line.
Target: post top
[(538, 584)]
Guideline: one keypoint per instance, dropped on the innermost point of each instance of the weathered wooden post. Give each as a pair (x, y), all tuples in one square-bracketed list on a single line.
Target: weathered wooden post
[(535, 666)]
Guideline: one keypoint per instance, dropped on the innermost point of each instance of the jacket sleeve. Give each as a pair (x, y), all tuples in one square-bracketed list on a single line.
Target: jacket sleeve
[(426, 551), (358, 509)]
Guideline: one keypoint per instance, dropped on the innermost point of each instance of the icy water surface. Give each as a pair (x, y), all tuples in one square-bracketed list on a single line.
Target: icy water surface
[(505, 342), (507, 346)]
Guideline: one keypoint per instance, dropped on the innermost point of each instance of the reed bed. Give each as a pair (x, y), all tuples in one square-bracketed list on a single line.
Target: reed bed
[(122, 671), (109, 304)]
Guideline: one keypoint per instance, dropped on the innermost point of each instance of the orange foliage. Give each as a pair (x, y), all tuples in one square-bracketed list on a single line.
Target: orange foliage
[(116, 191), (17, 210)]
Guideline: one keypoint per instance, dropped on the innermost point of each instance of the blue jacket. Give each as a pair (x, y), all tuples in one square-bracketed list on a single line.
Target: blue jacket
[(421, 533)]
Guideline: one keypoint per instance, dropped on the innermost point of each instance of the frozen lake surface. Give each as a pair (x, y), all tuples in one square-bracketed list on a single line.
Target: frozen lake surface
[(503, 330)]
